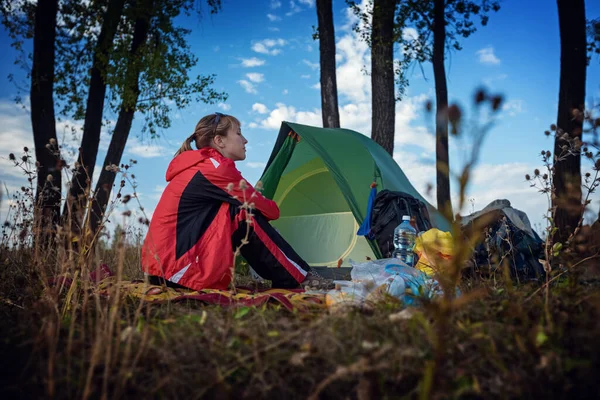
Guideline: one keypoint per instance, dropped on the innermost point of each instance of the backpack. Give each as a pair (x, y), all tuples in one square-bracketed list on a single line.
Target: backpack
[(388, 209), (509, 238)]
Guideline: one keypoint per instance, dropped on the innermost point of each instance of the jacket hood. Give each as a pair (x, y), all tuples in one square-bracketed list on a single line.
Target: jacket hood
[(189, 158)]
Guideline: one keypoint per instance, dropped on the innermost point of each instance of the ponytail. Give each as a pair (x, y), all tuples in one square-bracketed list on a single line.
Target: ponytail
[(186, 146)]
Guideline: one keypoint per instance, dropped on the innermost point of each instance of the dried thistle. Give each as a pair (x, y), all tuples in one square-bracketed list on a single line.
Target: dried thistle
[(480, 96), (497, 102)]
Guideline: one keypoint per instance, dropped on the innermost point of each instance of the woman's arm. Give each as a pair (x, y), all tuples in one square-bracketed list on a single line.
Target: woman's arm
[(227, 177)]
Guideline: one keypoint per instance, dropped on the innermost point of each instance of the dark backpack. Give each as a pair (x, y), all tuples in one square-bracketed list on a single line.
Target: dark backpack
[(506, 242), (388, 209)]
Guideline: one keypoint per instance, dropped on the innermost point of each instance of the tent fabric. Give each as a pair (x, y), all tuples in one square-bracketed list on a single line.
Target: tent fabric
[(321, 179)]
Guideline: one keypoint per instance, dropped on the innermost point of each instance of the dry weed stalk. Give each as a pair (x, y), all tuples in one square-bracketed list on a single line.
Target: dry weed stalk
[(557, 254), (449, 271), (78, 317)]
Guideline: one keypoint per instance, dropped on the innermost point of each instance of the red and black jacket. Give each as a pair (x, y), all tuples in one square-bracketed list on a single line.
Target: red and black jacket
[(189, 240)]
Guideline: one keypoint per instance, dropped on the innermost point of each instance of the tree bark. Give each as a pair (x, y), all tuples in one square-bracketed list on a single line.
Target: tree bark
[(124, 122), (92, 126), (442, 160), (329, 98), (382, 74), (43, 123), (571, 97)]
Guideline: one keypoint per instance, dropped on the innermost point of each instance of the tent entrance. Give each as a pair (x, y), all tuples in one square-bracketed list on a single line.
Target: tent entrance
[(316, 218)]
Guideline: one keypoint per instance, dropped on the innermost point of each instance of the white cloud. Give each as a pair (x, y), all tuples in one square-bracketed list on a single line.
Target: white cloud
[(269, 46), (487, 56), (410, 34), (514, 107), (313, 66), (420, 174), (248, 87), (14, 136), (139, 149), (357, 116), (260, 108), (496, 78), (273, 29), (366, 7), (294, 9), (305, 76), (354, 86), (354, 60), (275, 4), (316, 86), (252, 125), (488, 182), (224, 107), (273, 17), (289, 113), (252, 62), (256, 164), (309, 48), (255, 77), (158, 191), (507, 181), (285, 91)]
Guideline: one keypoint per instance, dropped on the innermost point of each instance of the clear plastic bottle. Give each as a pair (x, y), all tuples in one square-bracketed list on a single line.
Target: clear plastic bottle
[(404, 241)]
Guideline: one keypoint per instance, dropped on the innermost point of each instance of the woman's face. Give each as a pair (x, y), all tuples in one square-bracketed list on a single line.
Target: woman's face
[(233, 145)]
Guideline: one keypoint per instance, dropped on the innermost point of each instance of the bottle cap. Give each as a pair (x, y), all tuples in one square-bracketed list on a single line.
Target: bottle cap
[(406, 218)]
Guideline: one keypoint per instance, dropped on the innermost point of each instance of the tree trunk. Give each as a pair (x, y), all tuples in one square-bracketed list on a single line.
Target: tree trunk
[(43, 124), (92, 125), (329, 98), (571, 97), (382, 74), (442, 160), (124, 122)]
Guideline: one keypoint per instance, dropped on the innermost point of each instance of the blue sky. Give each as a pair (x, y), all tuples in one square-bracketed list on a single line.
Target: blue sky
[(265, 59)]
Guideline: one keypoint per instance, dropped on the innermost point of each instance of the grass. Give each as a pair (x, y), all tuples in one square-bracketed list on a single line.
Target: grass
[(498, 344)]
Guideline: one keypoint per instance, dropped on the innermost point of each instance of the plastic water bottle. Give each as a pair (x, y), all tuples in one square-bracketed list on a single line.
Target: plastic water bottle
[(404, 241)]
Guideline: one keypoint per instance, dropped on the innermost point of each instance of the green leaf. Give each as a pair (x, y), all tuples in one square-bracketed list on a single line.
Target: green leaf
[(556, 248), (541, 338), (199, 319), (241, 312), (140, 324)]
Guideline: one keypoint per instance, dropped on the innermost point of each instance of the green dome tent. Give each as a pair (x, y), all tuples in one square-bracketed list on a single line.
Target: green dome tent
[(320, 178)]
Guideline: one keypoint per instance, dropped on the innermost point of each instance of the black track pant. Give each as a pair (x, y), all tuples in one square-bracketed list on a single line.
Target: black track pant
[(267, 251)]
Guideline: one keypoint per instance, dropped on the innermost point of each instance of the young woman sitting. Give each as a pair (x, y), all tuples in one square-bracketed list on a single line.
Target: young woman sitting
[(208, 210)]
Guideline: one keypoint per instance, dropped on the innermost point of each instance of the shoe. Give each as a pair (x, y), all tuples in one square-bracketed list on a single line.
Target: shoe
[(316, 282)]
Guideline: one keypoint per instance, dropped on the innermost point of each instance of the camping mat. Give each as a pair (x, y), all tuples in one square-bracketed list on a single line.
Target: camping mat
[(291, 299)]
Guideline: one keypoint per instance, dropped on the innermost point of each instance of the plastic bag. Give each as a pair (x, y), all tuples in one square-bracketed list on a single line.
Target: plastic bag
[(374, 270), (346, 293), (396, 278), (434, 248)]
